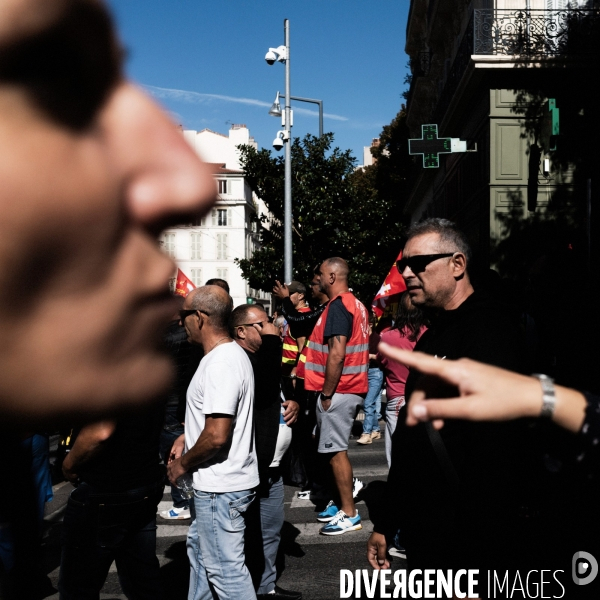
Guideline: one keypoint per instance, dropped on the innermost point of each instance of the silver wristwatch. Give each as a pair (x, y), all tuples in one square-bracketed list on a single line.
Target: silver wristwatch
[(548, 395)]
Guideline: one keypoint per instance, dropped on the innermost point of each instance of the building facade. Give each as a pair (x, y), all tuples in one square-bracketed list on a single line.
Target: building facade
[(484, 71), (207, 248)]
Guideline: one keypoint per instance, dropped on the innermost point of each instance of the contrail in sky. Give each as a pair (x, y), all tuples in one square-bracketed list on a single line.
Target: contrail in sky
[(198, 98)]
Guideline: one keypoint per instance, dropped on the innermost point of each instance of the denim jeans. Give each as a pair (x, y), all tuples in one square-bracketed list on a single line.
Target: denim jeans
[(171, 431), (101, 527), (263, 533), (372, 405), (215, 547), (391, 420)]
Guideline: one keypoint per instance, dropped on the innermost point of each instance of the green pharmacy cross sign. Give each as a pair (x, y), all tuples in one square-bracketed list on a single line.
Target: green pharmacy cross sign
[(431, 146)]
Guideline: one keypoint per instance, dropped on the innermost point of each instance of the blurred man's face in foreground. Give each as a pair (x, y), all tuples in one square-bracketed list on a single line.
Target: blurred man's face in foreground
[(91, 171)]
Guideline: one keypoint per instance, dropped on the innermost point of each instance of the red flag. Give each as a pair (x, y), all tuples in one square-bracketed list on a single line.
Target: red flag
[(388, 295), (184, 284)]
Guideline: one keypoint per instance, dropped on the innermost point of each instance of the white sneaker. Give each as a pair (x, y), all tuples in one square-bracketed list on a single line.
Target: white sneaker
[(357, 485), (176, 513), (365, 438), (341, 523), (397, 552)]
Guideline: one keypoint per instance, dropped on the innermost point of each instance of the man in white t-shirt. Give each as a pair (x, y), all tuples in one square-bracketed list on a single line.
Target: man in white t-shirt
[(219, 450)]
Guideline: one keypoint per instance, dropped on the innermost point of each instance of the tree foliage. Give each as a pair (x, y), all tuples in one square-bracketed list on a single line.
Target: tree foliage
[(337, 210)]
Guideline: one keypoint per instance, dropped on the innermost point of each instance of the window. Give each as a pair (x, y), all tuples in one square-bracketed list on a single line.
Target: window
[(169, 244), (222, 186), (197, 277), (221, 217), (222, 274), (221, 246), (196, 246)]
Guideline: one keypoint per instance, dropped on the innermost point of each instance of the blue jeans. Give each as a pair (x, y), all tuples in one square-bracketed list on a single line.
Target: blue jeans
[(101, 527), (215, 547), (171, 431), (372, 405), (391, 419), (263, 533)]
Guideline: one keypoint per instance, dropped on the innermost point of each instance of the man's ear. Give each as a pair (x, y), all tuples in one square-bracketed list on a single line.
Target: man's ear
[(459, 264)]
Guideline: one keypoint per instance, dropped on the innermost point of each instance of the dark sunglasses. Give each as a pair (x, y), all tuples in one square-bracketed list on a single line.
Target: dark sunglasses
[(417, 264), (261, 323), (184, 314)]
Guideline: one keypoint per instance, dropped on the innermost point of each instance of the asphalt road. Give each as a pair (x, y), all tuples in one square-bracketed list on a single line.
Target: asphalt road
[(309, 562)]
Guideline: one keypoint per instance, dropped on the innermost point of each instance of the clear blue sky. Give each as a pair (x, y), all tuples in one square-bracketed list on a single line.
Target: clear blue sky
[(348, 53)]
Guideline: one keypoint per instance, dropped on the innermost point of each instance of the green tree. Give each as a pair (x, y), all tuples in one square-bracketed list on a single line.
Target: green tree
[(337, 210)]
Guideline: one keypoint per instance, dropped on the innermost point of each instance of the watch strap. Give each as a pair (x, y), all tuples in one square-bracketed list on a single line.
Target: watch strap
[(548, 395)]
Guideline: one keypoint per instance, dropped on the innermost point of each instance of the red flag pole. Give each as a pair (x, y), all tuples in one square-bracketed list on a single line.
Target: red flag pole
[(393, 286)]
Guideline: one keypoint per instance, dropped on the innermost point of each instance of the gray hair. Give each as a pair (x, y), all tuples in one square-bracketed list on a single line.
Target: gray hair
[(215, 301), (452, 239)]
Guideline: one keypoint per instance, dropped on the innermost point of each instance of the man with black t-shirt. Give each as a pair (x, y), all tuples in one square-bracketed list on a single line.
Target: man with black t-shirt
[(454, 493), (111, 515), (273, 416), (337, 361)]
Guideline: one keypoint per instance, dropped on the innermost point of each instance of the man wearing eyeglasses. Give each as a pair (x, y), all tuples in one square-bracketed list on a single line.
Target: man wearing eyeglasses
[(454, 493), (219, 450), (273, 416)]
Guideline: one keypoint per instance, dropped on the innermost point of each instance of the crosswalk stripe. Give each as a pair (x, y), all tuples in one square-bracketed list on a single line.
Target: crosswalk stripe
[(310, 536), (309, 533), (370, 471), (299, 503)]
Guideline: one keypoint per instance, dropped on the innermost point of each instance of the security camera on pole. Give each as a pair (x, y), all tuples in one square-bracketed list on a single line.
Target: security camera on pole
[(282, 54)]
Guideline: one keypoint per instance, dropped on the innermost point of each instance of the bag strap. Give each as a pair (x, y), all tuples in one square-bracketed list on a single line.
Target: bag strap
[(443, 457)]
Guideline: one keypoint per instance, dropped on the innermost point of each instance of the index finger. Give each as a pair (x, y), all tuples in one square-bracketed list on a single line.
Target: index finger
[(430, 365)]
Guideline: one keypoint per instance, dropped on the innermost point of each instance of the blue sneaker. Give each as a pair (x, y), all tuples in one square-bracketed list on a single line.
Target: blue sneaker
[(342, 523), (331, 510)]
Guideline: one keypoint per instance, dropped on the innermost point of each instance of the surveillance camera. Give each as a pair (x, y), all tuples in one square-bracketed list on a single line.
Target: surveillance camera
[(278, 143), (270, 57)]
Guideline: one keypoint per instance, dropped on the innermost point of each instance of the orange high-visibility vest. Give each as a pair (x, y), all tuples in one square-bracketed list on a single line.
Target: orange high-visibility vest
[(289, 356), (300, 367), (354, 379)]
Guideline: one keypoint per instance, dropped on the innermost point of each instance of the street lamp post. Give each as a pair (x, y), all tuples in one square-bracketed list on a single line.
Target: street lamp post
[(287, 206), (276, 109), (282, 54)]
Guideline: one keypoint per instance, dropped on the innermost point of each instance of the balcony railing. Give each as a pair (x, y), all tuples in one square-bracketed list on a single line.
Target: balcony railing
[(524, 34), (534, 33)]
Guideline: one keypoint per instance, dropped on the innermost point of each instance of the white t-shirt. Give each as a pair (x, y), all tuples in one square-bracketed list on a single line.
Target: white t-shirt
[(224, 384)]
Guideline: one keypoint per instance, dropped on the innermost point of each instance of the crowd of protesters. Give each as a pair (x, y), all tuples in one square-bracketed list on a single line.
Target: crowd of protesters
[(480, 476)]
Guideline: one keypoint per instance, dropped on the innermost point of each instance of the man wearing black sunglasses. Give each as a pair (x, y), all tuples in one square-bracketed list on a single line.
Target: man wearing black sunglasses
[(434, 474)]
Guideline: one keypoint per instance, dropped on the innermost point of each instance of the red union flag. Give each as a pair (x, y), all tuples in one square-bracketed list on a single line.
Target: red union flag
[(184, 284), (390, 291)]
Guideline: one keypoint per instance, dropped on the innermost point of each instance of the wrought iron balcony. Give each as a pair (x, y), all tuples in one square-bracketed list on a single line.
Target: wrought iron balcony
[(535, 33), (518, 34)]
